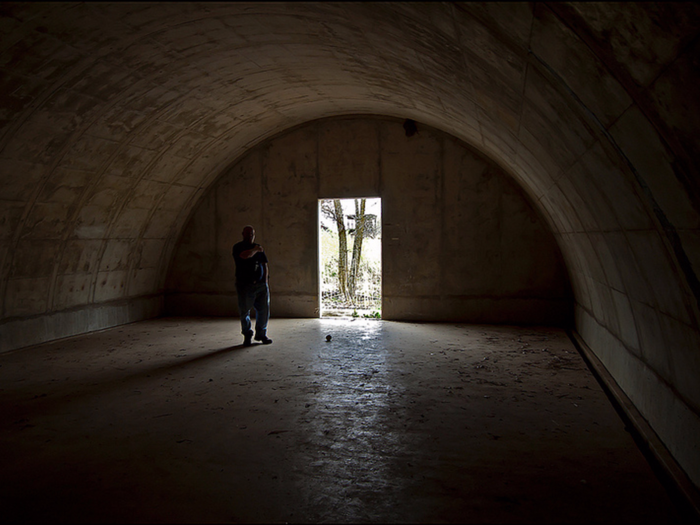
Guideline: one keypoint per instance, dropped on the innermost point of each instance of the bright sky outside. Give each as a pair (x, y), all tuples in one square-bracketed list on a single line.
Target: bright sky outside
[(373, 206)]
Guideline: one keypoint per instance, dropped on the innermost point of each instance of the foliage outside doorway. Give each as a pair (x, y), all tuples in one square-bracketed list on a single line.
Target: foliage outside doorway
[(350, 259)]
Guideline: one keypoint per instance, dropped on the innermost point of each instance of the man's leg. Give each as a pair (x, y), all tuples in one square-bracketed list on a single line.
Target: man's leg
[(262, 313), (245, 303)]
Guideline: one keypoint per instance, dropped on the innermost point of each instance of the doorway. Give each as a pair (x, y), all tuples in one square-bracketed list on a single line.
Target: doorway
[(350, 257)]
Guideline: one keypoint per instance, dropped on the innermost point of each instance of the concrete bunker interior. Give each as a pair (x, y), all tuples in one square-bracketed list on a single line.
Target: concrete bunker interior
[(130, 130)]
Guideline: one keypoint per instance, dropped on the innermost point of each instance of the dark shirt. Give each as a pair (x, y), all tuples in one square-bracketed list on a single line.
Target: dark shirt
[(248, 271)]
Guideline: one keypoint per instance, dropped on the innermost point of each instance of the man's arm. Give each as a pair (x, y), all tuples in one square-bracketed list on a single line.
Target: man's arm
[(249, 253), (266, 274)]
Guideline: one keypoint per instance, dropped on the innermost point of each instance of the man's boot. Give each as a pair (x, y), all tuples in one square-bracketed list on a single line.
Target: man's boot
[(263, 339), (248, 338)]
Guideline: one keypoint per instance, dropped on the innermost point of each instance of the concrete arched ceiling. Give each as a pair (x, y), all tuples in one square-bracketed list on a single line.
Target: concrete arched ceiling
[(115, 117)]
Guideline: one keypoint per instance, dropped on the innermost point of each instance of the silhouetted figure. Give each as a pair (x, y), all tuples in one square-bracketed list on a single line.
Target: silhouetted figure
[(252, 286)]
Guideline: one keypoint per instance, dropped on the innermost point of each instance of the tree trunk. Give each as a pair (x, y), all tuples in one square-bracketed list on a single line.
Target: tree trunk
[(357, 245), (342, 250)]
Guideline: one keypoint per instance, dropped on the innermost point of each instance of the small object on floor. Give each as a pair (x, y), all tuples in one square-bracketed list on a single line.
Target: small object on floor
[(328, 338)]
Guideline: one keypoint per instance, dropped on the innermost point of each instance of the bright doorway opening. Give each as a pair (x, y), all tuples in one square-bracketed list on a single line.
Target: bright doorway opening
[(350, 257)]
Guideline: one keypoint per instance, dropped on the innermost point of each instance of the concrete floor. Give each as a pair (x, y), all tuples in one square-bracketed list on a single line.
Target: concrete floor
[(172, 420)]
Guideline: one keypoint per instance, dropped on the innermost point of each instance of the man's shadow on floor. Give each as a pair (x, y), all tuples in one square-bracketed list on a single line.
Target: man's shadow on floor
[(139, 374)]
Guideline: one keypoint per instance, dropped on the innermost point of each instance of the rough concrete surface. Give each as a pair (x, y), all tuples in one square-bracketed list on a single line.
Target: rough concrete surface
[(173, 420), (118, 118)]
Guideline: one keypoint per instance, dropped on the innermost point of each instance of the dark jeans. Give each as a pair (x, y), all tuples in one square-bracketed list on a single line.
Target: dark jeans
[(256, 296)]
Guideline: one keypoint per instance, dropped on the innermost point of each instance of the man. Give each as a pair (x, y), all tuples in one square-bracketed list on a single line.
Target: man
[(252, 286)]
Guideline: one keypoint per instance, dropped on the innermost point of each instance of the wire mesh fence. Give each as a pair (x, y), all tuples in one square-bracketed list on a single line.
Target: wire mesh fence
[(365, 302)]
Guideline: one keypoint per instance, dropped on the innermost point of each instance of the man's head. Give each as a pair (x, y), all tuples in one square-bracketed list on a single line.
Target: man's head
[(249, 234)]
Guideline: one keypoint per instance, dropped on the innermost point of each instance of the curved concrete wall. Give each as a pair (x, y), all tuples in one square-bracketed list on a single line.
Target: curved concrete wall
[(116, 118), (461, 241)]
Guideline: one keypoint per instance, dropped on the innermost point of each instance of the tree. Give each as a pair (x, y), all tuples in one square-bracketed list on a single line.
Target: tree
[(359, 232), (342, 249), (334, 210)]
